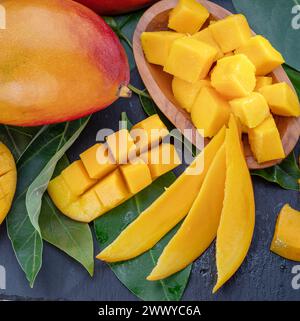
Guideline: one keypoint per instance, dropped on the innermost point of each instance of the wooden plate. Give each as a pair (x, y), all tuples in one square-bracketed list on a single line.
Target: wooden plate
[(158, 83)]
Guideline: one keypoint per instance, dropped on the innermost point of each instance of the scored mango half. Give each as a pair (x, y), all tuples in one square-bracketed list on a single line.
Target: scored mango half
[(8, 180), (102, 180)]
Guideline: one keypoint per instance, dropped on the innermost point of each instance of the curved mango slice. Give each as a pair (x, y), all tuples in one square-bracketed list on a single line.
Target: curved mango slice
[(200, 226), (167, 211), (286, 241), (8, 180), (238, 215)]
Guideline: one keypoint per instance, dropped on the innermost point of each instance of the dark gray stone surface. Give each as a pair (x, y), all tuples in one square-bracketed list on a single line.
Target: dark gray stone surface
[(263, 275)]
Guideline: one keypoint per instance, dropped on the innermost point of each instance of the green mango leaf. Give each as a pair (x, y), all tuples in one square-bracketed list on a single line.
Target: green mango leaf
[(17, 138), (73, 238), (294, 77), (133, 273), (285, 174), (26, 240), (274, 19)]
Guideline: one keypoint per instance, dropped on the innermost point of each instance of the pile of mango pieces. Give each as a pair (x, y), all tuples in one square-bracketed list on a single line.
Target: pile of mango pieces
[(108, 174), (223, 69)]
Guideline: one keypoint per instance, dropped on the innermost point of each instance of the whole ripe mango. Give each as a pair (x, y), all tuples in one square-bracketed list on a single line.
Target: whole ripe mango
[(114, 7), (58, 61)]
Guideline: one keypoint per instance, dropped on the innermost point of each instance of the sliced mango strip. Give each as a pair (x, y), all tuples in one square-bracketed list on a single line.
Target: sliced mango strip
[(286, 240), (238, 215), (8, 180), (199, 227), (167, 211)]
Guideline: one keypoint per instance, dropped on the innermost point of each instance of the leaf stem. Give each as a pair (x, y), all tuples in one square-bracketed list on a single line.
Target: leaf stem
[(139, 91)]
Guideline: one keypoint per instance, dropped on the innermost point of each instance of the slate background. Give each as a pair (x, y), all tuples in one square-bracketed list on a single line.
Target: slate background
[(262, 276)]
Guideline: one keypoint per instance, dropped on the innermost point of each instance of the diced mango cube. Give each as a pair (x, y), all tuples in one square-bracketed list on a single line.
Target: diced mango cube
[(148, 133), (231, 33), (112, 190), (265, 141), (185, 93), (281, 99), (121, 146), (137, 175), (261, 53), (60, 193), (91, 206), (157, 45), (206, 36), (251, 110), (262, 81), (188, 16), (77, 178), (234, 76), (98, 161), (190, 59), (210, 111), (161, 159)]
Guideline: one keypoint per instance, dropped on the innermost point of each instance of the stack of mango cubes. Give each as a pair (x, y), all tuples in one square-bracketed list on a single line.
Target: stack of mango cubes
[(221, 69), (108, 174)]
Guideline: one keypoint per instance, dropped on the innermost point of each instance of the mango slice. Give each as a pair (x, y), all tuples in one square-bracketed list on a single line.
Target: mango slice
[(185, 93), (231, 33), (238, 215), (188, 16), (210, 111), (77, 178), (262, 54), (121, 146), (199, 227), (163, 214), (286, 240), (234, 76), (262, 81), (281, 99), (137, 175), (98, 161), (161, 159), (8, 180), (190, 59), (157, 45), (251, 110), (265, 141), (148, 133), (206, 36)]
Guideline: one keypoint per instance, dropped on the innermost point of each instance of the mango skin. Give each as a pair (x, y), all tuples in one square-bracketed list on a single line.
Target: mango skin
[(115, 7), (69, 67)]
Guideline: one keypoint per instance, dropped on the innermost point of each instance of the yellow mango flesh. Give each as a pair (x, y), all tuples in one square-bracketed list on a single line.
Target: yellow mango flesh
[(210, 111), (265, 141), (206, 36), (231, 33), (234, 76), (188, 16), (164, 213), (148, 133), (161, 159), (156, 45), (97, 161), (8, 180), (262, 54), (199, 227), (121, 146), (282, 99), (251, 110), (286, 240), (238, 215), (262, 81), (185, 93), (137, 175), (77, 178), (190, 60)]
